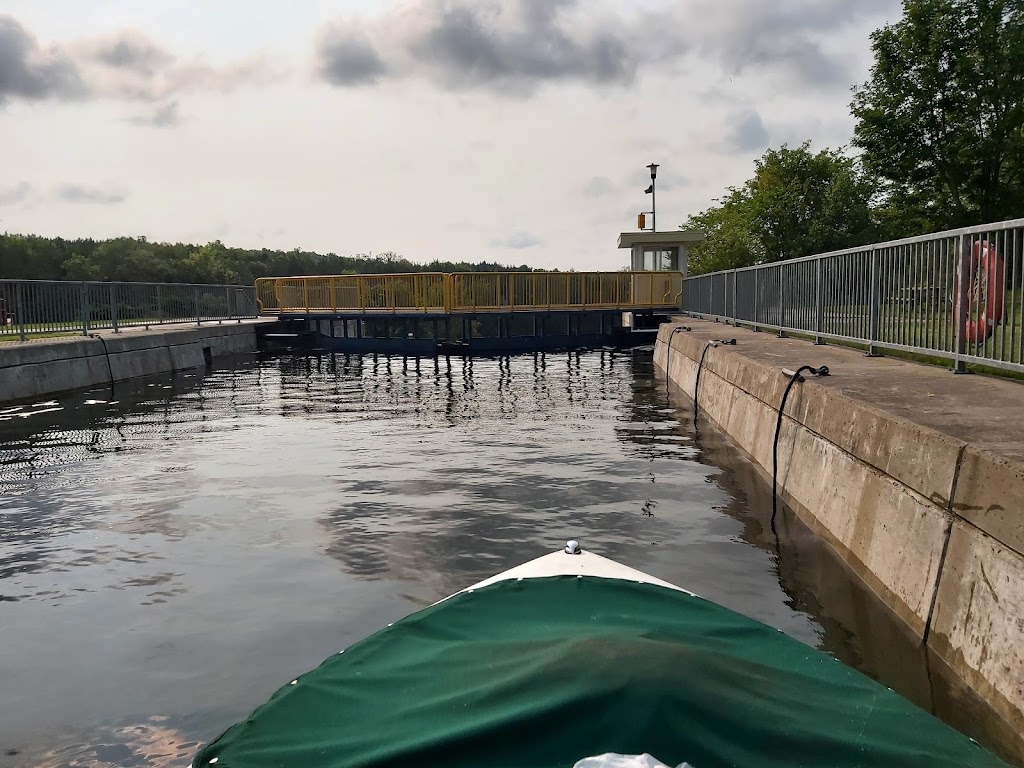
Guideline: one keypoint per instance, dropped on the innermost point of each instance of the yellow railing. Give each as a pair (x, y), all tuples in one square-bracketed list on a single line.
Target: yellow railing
[(409, 292), (437, 292)]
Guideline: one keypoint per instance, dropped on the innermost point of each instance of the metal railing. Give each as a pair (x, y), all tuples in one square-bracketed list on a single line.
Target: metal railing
[(410, 292), (428, 292), (955, 295), (40, 308)]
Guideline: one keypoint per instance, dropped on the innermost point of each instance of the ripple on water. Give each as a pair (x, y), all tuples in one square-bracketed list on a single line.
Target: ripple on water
[(187, 544)]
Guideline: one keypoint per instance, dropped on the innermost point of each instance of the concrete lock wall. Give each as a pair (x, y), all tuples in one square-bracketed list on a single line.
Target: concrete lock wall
[(45, 367), (931, 524)]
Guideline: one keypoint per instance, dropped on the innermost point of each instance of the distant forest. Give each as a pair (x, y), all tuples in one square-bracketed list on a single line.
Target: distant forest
[(29, 257)]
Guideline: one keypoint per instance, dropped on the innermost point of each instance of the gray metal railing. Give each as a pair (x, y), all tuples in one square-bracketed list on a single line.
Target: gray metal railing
[(31, 309), (955, 295)]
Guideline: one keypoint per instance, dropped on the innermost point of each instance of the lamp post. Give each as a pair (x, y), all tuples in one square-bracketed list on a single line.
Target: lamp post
[(651, 191)]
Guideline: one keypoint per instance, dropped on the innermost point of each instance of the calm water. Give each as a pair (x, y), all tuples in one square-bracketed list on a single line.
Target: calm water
[(174, 551)]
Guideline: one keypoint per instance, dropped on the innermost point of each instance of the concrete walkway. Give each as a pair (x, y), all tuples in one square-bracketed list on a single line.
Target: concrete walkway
[(8, 341), (985, 411)]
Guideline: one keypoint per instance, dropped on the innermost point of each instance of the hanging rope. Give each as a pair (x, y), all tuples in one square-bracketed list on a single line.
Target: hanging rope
[(700, 367), (794, 377)]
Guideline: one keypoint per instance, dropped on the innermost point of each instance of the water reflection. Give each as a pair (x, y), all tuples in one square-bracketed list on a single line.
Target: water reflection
[(167, 560)]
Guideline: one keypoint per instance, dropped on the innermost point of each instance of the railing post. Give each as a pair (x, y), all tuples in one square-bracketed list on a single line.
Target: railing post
[(227, 298), (113, 307), (83, 306), (875, 299), (757, 296), (195, 299), (19, 307), (159, 305), (819, 303), (962, 302), (782, 301), (735, 296)]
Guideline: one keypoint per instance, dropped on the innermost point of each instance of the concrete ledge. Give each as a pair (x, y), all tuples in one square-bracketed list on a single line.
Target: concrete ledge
[(979, 619), (933, 524), (988, 495), (916, 456), (890, 535), (34, 369)]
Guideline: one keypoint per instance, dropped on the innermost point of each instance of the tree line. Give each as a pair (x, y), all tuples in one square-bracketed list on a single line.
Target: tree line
[(938, 143), (135, 259)]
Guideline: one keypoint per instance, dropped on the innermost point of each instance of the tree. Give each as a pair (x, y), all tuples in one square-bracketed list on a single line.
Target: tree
[(730, 241), (941, 119), (80, 267), (138, 259), (798, 203), (210, 264)]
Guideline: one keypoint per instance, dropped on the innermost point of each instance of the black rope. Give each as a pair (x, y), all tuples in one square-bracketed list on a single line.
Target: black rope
[(822, 371), (700, 366), (106, 353)]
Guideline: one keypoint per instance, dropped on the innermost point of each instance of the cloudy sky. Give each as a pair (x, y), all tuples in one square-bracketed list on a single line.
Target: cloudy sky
[(508, 130)]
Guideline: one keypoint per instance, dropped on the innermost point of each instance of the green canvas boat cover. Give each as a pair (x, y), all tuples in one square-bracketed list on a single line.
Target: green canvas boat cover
[(541, 673)]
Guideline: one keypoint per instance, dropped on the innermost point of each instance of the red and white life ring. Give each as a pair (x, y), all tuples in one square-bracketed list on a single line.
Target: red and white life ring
[(984, 294)]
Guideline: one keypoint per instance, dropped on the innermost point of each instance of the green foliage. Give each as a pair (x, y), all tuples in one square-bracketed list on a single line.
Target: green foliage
[(729, 228), (941, 120), (798, 203), (138, 260)]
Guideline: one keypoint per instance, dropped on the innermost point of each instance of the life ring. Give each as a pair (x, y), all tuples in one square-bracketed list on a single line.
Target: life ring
[(985, 293)]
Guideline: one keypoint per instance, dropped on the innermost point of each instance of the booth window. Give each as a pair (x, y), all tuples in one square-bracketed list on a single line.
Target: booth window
[(661, 259)]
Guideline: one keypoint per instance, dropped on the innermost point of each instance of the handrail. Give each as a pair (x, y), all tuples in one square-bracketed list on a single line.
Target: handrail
[(956, 295), (437, 292), (31, 309)]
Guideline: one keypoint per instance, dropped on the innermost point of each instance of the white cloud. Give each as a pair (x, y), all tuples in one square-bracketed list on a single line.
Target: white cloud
[(518, 240), (18, 193), (90, 195), (420, 150), (125, 65)]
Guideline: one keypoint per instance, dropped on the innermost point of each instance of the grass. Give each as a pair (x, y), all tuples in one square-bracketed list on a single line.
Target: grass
[(7, 338), (914, 357), (931, 326)]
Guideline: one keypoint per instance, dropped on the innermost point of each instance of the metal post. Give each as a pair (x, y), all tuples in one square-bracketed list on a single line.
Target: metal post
[(757, 273), (735, 295), (113, 307), (875, 300), (227, 297), (83, 307), (654, 206), (19, 307), (159, 306), (195, 299), (782, 301), (819, 303), (963, 297)]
